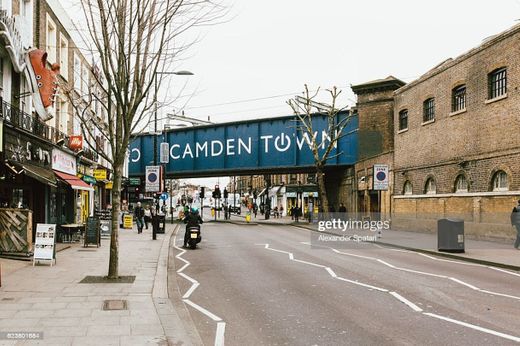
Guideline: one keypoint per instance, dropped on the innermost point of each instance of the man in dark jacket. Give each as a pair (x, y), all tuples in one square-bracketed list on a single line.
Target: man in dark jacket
[(515, 221), (139, 217), (192, 219)]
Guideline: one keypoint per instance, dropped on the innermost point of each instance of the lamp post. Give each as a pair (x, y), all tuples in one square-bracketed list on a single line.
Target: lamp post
[(156, 87)]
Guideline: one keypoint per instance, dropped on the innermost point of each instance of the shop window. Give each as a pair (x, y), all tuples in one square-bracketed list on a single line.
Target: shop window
[(497, 83), (429, 110), (458, 98), (403, 119), (430, 187), (408, 189), (461, 184), (500, 181)]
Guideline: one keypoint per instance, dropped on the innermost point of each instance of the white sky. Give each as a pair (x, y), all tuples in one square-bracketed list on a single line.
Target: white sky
[(273, 47)]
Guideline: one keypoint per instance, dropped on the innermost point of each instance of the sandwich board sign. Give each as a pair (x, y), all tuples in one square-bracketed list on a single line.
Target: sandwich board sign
[(45, 243)]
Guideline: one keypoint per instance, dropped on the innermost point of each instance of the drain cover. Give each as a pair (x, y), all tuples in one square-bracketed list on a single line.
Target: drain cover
[(114, 305)]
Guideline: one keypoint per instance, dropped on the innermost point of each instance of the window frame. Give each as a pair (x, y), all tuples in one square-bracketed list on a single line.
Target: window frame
[(64, 63), (403, 115), (77, 72), (458, 103), (497, 179), (405, 191), (429, 110), (461, 177), (51, 47), (430, 182), (497, 87)]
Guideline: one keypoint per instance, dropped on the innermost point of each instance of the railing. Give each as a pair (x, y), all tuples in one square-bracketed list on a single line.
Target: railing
[(30, 123)]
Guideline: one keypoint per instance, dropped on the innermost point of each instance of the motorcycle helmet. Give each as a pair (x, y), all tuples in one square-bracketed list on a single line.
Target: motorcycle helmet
[(194, 210)]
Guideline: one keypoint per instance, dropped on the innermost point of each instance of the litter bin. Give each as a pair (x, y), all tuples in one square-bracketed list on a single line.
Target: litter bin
[(450, 235), (162, 224)]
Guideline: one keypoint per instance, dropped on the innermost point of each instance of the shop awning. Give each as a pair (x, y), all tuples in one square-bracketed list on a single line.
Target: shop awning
[(43, 175), (274, 191), (74, 182), (262, 193)]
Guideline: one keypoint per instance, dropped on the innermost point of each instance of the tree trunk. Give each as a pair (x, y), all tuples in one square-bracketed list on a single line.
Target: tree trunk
[(113, 264), (322, 191)]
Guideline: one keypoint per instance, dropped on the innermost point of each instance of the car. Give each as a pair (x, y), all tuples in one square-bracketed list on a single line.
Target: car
[(235, 209)]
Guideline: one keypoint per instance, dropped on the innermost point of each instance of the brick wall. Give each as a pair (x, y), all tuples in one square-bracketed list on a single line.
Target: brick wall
[(487, 132)]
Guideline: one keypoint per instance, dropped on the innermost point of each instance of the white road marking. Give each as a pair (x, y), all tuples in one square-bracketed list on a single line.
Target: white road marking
[(504, 271), (464, 283), (221, 325), (219, 338), (429, 274), (411, 305), (472, 326), (406, 301), (190, 291), (201, 309), (331, 272)]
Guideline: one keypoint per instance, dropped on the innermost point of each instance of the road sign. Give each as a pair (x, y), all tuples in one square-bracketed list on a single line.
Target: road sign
[(153, 181), (164, 196), (380, 180)]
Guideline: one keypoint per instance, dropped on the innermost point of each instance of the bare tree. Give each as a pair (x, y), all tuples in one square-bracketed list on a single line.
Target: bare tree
[(306, 109), (132, 41)]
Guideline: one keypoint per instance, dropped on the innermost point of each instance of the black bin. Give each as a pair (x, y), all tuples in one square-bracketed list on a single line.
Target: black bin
[(162, 224), (450, 235)]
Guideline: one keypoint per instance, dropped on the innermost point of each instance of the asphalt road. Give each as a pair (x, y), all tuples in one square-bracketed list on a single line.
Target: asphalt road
[(265, 285)]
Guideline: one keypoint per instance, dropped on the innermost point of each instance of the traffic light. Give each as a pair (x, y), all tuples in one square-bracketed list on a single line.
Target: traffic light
[(202, 191), (225, 193)]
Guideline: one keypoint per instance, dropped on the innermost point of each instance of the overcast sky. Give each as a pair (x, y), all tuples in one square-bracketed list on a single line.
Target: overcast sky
[(270, 48)]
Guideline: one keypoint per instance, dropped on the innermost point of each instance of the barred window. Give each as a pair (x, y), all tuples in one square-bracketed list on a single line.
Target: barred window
[(500, 181), (408, 189), (430, 187), (461, 184), (429, 109), (403, 119), (497, 83), (458, 98)]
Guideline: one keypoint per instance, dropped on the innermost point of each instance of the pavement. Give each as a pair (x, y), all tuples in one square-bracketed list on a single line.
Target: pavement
[(51, 299), (493, 253), (265, 285)]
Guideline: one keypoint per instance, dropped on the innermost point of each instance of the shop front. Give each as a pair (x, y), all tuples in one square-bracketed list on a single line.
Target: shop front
[(27, 174), (71, 189)]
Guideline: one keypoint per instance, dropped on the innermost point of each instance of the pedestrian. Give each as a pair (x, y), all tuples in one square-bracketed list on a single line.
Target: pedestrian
[(255, 209), (225, 212), (275, 212), (515, 221), (147, 216), (281, 210), (342, 208), (293, 216), (139, 217)]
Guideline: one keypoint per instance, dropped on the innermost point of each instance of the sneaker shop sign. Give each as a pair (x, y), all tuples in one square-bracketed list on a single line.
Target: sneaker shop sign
[(247, 146)]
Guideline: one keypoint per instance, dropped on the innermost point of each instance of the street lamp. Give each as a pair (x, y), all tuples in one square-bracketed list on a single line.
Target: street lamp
[(177, 73)]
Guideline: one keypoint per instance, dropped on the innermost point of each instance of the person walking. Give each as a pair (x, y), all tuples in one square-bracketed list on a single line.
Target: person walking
[(515, 221), (342, 208), (147, 216), (139, 217)]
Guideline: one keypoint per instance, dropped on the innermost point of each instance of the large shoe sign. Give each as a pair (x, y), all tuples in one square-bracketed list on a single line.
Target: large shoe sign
[(43, 82)]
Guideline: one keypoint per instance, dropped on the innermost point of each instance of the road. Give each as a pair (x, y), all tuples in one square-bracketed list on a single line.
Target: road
[(265, 285)]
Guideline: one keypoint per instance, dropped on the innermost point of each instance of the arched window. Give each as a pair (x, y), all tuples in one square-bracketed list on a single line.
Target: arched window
[(461, 184), (430, 188), (407, 189), (500, 181)]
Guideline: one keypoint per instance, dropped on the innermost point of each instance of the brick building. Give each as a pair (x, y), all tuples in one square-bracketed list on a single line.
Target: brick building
[(457, 143), (375, 108)]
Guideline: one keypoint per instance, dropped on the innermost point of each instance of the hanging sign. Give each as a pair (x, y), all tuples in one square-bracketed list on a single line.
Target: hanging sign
[(63, 162), (100, 174), (76, 142)]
